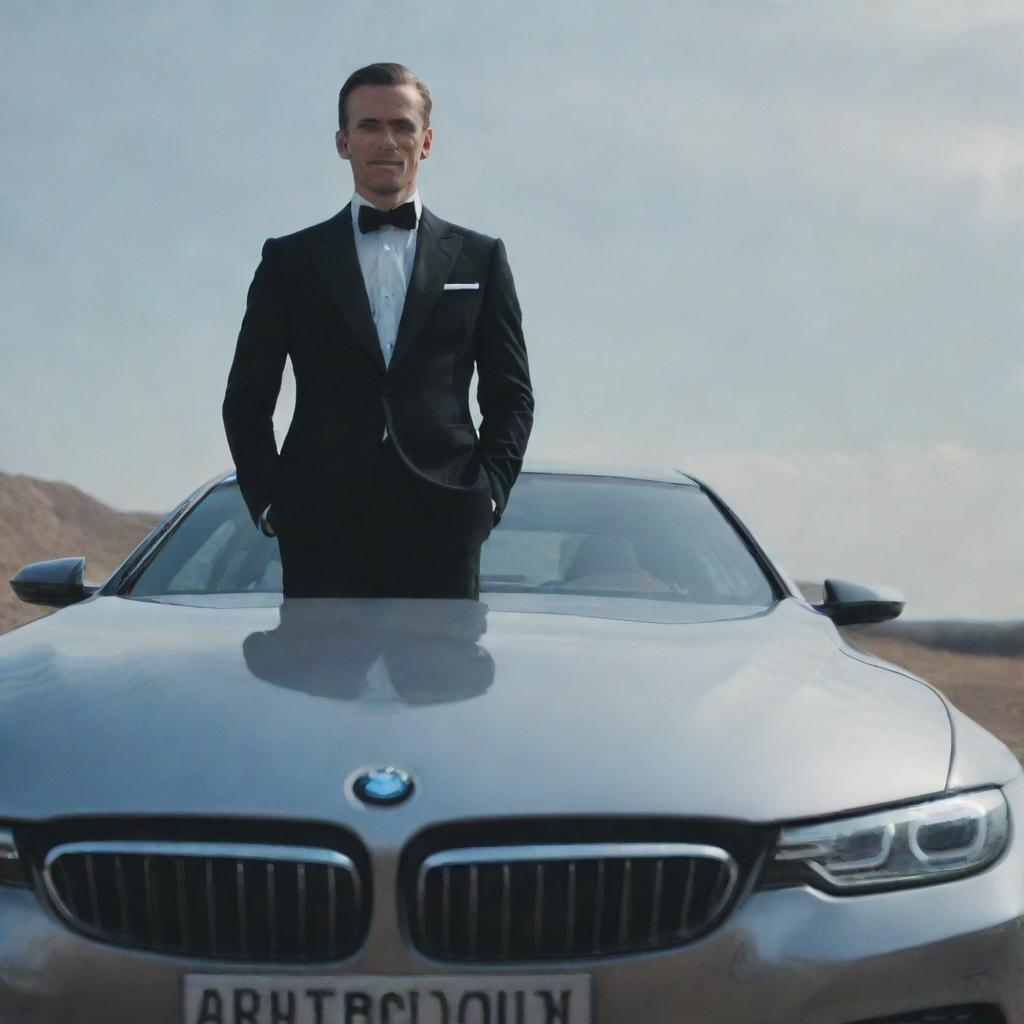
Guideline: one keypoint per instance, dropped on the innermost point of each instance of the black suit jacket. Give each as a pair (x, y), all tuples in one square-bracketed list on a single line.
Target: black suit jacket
[(307, 301)]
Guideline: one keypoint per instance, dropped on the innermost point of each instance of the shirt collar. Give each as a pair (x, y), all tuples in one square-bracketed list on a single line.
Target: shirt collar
[(358, 201)]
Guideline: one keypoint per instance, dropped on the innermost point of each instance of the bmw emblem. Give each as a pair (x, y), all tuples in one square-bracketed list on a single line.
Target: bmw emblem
[(383, 786)]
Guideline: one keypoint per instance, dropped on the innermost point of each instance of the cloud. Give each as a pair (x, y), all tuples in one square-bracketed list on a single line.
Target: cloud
[(920, 121), (945, 17)]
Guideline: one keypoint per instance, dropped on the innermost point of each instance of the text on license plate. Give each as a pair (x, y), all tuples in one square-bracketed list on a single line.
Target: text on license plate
[(379, 999)]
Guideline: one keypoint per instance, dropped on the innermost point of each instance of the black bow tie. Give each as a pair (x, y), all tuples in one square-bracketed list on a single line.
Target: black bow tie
[(404, 216)]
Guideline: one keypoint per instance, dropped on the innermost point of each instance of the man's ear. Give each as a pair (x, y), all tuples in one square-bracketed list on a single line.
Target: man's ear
[(341, 141), (428, 138)]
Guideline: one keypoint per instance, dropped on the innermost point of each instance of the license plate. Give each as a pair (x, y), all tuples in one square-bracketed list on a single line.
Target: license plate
[(380, 999)]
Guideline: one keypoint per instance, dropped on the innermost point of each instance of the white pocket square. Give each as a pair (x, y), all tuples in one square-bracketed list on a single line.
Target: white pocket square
[(463, 285)]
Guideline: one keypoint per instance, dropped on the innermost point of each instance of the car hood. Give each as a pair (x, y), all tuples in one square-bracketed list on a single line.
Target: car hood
[(519, 704)]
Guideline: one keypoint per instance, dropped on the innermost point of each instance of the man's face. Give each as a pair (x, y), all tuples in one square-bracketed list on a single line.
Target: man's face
[(384, 140)]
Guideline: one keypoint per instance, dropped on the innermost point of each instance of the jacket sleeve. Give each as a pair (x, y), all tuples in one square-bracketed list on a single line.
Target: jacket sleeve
[(504, 392), (254, 383)]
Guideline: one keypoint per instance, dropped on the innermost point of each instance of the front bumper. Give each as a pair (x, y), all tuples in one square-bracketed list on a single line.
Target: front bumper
[(793, 956)]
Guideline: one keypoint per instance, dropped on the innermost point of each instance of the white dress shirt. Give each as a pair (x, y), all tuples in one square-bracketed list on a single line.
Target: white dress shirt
[(385, 258)]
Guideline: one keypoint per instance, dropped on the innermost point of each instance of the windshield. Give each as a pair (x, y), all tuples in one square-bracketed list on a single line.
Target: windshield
[(561, 533)]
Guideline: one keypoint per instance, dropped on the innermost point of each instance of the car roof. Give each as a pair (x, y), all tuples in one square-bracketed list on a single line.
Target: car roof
[(581, 467)]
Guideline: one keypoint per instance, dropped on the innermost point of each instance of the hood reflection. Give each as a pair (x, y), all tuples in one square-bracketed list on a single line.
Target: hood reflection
[(408, 650)]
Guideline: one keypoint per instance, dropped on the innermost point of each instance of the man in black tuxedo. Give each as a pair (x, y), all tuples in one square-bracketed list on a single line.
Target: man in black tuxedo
[(382, 486)]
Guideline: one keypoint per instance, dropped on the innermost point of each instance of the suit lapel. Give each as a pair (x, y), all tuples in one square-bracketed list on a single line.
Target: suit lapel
[(437, 248), (334, 252)]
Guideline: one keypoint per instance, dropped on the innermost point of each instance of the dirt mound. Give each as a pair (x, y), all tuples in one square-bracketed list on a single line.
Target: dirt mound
[(1003, 639), (40, 519)]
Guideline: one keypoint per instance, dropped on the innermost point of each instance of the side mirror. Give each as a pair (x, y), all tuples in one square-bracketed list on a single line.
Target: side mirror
[(57, 583), (849, 604)]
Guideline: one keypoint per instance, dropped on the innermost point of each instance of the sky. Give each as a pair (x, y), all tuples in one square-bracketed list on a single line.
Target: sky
[(777, 244)]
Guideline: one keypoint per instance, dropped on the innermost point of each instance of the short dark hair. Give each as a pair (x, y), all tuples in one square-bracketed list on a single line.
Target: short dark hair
[(381, 74)]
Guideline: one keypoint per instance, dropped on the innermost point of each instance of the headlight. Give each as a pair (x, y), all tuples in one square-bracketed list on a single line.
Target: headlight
[(11, 872), (926, 842)]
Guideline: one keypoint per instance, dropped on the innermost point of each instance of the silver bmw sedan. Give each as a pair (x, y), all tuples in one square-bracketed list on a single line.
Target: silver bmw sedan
[(641, 781)]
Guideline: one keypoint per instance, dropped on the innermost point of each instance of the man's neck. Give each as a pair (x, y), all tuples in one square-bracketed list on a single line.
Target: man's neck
[(390, 202)]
